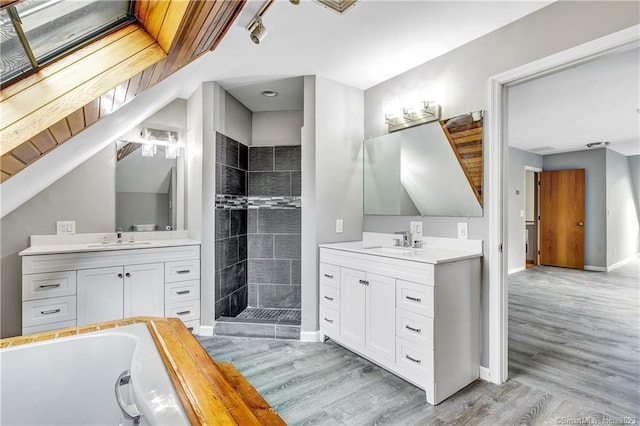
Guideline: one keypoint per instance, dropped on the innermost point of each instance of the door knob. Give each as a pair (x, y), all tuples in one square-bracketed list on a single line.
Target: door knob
[(127, 275), (119, 275)]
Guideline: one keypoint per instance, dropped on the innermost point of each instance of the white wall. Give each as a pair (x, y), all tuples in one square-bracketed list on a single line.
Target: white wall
[(623, 232), (459, 81), (518, 159), (86, 195), (634, 169), (237, 120), (173, 115), (276, 128), (337, 193)]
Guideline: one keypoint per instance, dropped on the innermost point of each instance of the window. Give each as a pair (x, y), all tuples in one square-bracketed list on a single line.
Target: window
[(33, 32)]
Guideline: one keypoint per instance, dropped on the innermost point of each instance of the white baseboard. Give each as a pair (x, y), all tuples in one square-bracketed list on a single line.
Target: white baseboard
[(517, 269), (485, 374), (206, 330), (622, 262), (595, 268), (310, 336)]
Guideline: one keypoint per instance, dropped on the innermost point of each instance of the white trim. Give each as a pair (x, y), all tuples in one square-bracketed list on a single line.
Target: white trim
[(622, 262), (310, 336), (595, 268), (206, 330), (622, 40), (516, 269), (485, 374)]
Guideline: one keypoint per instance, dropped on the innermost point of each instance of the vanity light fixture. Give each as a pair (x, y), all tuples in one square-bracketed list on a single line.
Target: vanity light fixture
[(257, 30), (408, 117), (148, 149), (151, 138)]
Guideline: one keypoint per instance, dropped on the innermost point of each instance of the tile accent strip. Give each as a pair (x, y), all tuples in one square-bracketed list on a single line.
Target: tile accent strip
[(239, 202)]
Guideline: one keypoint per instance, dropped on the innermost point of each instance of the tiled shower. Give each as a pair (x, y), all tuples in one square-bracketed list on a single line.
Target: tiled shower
[(258, 232)]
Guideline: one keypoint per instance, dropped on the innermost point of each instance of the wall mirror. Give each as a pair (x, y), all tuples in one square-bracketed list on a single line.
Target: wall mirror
[(434, 169), (149, 187)]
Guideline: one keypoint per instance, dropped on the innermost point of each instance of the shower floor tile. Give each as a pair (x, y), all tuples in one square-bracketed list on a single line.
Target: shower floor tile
[(271, 314)]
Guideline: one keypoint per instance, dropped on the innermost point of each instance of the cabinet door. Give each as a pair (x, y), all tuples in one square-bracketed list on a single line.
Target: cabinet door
[(352, 307), (144, 290), (380, 315), (100, 292)]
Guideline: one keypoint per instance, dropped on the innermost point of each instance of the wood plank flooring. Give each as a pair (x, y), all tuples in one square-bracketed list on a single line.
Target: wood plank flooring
[(573, 358)]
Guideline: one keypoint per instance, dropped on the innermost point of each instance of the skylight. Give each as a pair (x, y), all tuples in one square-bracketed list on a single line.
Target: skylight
[(33, 32)]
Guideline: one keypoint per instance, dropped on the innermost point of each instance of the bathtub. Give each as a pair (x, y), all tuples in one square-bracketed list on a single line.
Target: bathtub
[(78, 380)]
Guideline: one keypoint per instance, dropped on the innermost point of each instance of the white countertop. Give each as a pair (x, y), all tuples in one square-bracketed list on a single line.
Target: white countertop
[(81, 243), (428, 254)]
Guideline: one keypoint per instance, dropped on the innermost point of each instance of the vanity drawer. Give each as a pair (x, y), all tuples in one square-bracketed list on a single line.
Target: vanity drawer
[(48, 327), (415, 328), (182, 270), (44, 311), (329, 321), (330, 297), (193, 326), (181, 291), (414, 361), (51, 284), (186, 311), (414, 297), (330, 275)]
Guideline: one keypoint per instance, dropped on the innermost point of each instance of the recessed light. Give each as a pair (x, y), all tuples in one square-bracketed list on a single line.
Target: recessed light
[(598, 144), (269, 93)]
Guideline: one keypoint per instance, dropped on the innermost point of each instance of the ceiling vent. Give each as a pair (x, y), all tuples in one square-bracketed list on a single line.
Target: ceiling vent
[(541, 149), (340, 6)]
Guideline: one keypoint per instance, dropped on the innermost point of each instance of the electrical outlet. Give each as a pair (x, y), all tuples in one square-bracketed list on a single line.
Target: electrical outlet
[(66, 227), (339, 226), (416, 230), (463, 230)]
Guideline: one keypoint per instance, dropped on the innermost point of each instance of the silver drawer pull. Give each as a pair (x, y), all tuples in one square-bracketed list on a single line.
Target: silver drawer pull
[(365, 282), (415, 330), (181, 292), (183, 271), (183, 312), (329, 276), (329, 298), (50, 285), (50, 311), (413, 299), (330, 321), (417, 361)]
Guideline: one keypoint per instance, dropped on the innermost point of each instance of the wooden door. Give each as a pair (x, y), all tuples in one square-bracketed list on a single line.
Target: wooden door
[(562, 218), (144, 290)]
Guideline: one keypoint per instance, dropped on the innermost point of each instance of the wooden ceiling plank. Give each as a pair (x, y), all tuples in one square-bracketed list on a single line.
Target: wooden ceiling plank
[(215, 24), (141, 9), (10, 164), (132, 88), (61, 131), (121, 95), (34, 123), (157, 73), (155, 17), (27, 152), (4, 176), (91, 112), (196, 16), (33, 98), (106, 103), (220, 26), (171, 24), (76, 121), (144, 80), (44, 141), (200, 35), (65, 62)]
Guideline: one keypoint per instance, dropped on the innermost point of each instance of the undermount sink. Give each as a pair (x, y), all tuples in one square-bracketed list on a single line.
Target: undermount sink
[(122, 244), (392, 250)]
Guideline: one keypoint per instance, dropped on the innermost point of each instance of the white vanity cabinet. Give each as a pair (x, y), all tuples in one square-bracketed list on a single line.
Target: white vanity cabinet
[(66, 289), (417, 319)]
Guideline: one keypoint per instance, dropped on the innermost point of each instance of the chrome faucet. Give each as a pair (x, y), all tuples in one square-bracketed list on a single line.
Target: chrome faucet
[(119, 235), (404, 237)]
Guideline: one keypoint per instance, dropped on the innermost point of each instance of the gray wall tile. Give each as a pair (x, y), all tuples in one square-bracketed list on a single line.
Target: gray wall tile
[(226, 253), (260, 246), (279, 296), (238, 222), (252, 221), (243, 156), (261, 158), (231, 154), (287, 157), (296, 272), (245, 330), (234, 181), (269, 271), (287, 246), (269, 183), (253, 295), (221, 148), (296, 183), (222, 223), (232, 279), (222, 308), (279, 221), (238, 301), (287, 332), (243, 247)]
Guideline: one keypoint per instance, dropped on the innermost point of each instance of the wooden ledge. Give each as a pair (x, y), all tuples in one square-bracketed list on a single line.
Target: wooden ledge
[(210, 392)]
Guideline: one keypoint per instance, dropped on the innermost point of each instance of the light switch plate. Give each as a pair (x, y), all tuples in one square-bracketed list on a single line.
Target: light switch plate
[(66, 227), (339, 226), (463, 230)]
